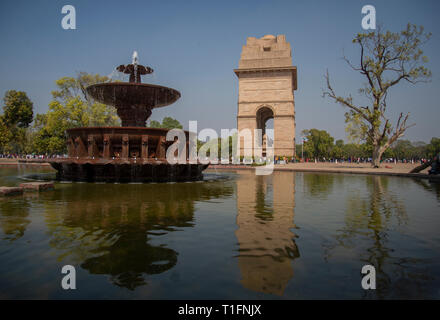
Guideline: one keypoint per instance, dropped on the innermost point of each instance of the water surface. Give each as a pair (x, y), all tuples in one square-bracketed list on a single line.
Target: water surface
[(235, 236)]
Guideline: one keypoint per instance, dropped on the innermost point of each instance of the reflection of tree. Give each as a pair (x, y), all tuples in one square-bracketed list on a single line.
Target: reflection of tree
[(430, 186), (318, 185), (14, 217), (109, 229), (368, 221), (265, 209)]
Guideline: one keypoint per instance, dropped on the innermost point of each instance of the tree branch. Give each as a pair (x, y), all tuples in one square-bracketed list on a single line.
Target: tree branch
[(347, 102)]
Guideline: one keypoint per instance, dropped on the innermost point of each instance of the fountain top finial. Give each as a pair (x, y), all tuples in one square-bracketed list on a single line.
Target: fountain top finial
[(134, 69)]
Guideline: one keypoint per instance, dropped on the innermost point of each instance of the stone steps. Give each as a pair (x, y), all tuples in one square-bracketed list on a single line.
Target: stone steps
[(37, 186), (27, 186), (10, 191)]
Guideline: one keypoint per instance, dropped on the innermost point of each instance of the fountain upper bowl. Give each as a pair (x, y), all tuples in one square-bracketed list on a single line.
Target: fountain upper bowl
[(122, 94)]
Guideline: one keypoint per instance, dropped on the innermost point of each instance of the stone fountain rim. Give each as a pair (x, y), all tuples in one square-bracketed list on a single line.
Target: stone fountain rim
[(134, 84), (122, 129)]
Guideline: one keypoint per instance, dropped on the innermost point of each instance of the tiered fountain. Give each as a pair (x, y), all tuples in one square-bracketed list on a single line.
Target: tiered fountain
[(131, 153)]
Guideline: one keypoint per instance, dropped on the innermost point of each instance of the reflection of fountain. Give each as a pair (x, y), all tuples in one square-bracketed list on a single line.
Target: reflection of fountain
[(129, 257), (131, 152), (14, 219), (124, 236), (267, 245)]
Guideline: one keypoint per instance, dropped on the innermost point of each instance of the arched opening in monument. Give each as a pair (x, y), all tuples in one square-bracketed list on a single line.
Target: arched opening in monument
[(265, 121)]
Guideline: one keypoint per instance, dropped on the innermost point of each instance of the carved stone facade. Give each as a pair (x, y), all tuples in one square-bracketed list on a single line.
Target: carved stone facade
[(266, 80)]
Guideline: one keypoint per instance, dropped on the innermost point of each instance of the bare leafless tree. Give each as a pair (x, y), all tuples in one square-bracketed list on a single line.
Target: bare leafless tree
[(386, 59)]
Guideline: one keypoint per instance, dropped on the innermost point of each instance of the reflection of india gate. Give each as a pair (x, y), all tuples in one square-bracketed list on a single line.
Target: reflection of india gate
[(265, 210), (266, 80)]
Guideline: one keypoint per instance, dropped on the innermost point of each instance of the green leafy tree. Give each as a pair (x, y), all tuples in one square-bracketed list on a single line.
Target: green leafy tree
[(71, 107), (17, 115), (420, 149), (155, 124), (170, 123), (167, 123), (319, 143), (5, 136), (403, 149), (352, 150), (433, 148), (386, 59), (298, 150), (338, 149), (17, 109)]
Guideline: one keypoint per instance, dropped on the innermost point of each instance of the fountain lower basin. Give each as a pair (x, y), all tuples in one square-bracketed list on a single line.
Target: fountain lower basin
[(122, 154)]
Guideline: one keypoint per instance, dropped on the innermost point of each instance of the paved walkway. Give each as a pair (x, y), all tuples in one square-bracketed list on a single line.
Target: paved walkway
[(399, 169), (14, 162), (362, 167)]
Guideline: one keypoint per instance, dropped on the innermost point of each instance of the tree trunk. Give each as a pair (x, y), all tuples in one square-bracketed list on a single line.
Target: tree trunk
[(377, 155), (421, 167)]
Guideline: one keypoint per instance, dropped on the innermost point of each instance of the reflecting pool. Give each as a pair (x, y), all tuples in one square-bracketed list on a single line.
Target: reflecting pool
[(233, 236)]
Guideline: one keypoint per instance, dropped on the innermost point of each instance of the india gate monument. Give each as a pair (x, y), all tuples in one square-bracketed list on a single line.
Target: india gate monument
[(266, 80)]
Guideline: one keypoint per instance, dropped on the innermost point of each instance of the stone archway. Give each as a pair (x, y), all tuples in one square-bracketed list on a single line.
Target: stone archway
[(263, 115), (267, 80)]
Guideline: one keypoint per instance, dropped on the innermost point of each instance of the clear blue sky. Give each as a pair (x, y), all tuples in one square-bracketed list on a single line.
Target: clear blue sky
[(195, 45)]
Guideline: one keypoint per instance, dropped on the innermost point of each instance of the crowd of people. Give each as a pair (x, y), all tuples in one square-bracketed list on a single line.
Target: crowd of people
[(365, 160)]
